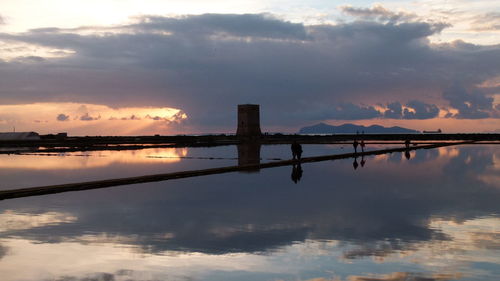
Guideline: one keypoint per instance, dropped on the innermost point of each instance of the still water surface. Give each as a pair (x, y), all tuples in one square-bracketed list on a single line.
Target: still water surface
[(435, 216)]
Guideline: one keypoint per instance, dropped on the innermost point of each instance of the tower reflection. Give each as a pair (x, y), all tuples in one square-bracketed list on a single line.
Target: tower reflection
[(249, 154)]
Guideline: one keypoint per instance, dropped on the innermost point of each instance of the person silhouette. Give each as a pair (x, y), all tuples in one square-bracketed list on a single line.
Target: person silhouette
[(362, 145), (296, 150), (355, 163), (355, 144), (407, 143), (296, 173)]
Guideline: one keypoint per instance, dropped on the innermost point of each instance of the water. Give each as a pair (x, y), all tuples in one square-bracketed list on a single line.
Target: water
[(435, 216)]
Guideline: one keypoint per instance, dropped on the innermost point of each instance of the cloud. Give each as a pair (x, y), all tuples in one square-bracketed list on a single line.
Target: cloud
[(420, 110), (471, 104), (407, 276), (62, 117), (2, 20), (100, 276), (366, 228), (238, 25), (30, 59), (87, 117), (486, 22), (3, 251), (350, 111), (378, 13), (394, 110), (412, 110), (207, 64), (176, 118), (104, 120), (131, 117)]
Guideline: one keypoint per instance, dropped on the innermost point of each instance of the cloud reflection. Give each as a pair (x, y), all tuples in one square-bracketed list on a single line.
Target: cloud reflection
[(88, 160), (431, 214), (14, 221)]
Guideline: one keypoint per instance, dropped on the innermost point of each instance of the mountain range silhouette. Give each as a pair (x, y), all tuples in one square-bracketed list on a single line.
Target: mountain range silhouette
[(323, 128)]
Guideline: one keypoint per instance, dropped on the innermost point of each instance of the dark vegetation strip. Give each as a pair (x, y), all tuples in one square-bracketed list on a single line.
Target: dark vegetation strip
[(76, 144), (208, 140), (42, 190)]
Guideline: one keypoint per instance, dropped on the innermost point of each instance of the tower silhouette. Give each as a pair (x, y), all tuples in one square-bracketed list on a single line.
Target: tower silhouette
[(248, 120)]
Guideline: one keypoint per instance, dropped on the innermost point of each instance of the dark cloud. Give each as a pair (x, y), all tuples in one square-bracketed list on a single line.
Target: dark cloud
[(87, 117), (407, 276), (246, 25), (176, 118), (156, 118), (131, 117), (122, 274), (30, 59), (62, 117), (207, 64), (349, 111), (471, 104), (420, 110), (412, 110), (394, 110), (3, 251), (378, 13), (100, 276)]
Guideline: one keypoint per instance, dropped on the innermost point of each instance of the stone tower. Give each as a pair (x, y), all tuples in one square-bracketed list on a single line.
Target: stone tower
[(248, 120)]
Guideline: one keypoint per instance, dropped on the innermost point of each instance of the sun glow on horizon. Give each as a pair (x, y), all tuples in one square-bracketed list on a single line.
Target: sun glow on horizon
[(89, 119)]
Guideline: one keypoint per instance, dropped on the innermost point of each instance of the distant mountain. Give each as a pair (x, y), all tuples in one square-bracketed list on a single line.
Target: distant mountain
[(323, 128)]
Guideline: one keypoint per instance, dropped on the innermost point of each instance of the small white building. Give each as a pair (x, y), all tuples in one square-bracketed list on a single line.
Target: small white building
[(19, 136)]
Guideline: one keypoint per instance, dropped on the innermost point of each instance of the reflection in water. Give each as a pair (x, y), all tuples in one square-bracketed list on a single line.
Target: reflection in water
[(407, 154), (17, 149), (249, 154), (13, 221), (296, 172), (87, 160), (491, 174), (355, 163), (412, 220), (406, 276)]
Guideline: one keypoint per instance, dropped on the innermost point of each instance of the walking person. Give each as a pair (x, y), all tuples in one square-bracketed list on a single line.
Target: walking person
[(355, 144), (296, 150)]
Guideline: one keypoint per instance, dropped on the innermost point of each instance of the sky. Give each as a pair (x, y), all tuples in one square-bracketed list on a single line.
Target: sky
[(181, 67)]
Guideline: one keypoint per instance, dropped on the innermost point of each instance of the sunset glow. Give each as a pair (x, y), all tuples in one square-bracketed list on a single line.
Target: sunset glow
[(89, 119), (221, 140), (422, 64)]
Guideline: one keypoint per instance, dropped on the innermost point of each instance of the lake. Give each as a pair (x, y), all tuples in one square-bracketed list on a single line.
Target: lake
[(434, 216)]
